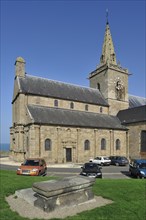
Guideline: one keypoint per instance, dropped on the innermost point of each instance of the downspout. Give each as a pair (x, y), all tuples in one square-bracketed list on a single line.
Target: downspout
[(39, 142), (127, 144)]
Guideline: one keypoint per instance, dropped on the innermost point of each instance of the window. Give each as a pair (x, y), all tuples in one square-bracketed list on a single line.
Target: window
[(87, 145), (101, 109), (118, 144), (103, 144), (98, 86), (48, 145), (143, 141), (86, 107), (56, 103), (113, 56), (72, 105)]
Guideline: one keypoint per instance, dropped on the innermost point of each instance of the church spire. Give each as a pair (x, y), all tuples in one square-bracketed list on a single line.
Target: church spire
[(108, 52)]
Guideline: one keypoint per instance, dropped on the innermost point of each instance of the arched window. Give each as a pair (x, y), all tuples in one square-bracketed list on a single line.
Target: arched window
[(103, 144), (48, 145), (72, 105), (56, 103), (113, 57), (118, 144), (98, 86), (87, 145), (101, 109), (86, 107)]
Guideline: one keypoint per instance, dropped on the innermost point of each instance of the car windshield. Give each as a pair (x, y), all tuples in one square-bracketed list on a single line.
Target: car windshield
[(106, 158), (31, 163), (142, 165), (123, 158), (90, 166)]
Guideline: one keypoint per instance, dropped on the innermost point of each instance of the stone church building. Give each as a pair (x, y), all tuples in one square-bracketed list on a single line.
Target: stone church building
[(63, 123)]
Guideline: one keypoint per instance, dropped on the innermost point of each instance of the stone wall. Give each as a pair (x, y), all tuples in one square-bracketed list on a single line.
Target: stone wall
[(135, 140), (107, 78), (63, 138), (65, 104)]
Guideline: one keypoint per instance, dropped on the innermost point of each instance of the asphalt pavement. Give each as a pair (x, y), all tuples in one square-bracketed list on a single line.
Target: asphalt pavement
[(71, 169)]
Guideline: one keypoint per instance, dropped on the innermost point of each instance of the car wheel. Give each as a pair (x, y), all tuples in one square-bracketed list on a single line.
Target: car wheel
[(138, 177), (46, 171), (130, 173), (39, 174)]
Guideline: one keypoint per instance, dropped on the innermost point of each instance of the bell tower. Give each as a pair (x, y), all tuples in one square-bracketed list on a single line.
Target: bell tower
[(109, 77)]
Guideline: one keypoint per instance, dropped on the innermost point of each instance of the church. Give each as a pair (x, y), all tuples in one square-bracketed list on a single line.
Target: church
[(62, 122)]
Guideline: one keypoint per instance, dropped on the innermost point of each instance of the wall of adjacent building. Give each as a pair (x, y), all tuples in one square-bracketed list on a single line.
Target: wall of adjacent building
[(135, 140)]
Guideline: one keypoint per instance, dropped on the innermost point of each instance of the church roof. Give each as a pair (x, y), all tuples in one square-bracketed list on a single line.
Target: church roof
[(64, 117), (135, 101), (49, 88), (133, 115)]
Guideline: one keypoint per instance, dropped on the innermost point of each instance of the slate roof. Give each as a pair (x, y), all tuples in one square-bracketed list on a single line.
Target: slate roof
[(133, 115), (50, 88), (63, 117), (135, 101)]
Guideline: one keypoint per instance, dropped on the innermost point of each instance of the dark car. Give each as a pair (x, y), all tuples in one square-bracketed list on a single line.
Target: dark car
[(119, 160), (33, 167), (137, 168), (91, 170)]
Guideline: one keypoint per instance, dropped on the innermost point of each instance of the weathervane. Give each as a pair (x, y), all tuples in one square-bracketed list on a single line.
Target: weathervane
[(107, 15)]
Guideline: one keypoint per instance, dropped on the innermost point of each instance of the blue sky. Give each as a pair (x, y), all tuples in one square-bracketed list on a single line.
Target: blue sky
[(62, 40)]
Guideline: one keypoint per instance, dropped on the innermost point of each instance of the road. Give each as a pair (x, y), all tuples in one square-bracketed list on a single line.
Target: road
[(112, 172)]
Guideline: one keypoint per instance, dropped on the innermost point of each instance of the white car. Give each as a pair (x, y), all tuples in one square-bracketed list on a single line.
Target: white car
[(101, 160)]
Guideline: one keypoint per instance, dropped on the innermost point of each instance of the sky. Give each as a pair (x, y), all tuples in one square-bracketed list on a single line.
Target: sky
[(62, 40)]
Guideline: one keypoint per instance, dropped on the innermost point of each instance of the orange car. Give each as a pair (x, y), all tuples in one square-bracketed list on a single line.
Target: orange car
[(33, 167)]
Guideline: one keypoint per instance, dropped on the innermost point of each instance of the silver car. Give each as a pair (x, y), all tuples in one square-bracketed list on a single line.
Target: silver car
[(101, 160)]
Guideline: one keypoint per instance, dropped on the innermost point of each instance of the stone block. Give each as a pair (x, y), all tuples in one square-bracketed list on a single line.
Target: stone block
[(66, 192)]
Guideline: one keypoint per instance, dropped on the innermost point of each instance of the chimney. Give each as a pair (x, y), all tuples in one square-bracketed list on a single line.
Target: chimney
[(20, 67)]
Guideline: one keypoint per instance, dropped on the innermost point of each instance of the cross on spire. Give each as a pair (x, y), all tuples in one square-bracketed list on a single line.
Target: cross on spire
[(107, 15)]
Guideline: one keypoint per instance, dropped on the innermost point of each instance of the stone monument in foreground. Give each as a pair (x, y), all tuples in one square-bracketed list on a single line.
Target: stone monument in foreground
[(69, 191)]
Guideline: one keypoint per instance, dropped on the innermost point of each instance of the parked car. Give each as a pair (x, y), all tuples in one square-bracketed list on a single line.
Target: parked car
[(119, 160), (91, 170), (137, 168), (32, 167), (101, 160)]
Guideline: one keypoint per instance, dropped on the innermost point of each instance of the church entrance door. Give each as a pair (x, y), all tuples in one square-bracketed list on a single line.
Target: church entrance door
[(68, 154)]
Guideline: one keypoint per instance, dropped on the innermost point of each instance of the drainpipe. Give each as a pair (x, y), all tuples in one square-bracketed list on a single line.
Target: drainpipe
[(39, 142), (127, 144)]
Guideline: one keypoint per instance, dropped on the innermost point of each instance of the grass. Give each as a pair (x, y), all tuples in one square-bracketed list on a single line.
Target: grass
[(129, 196)]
